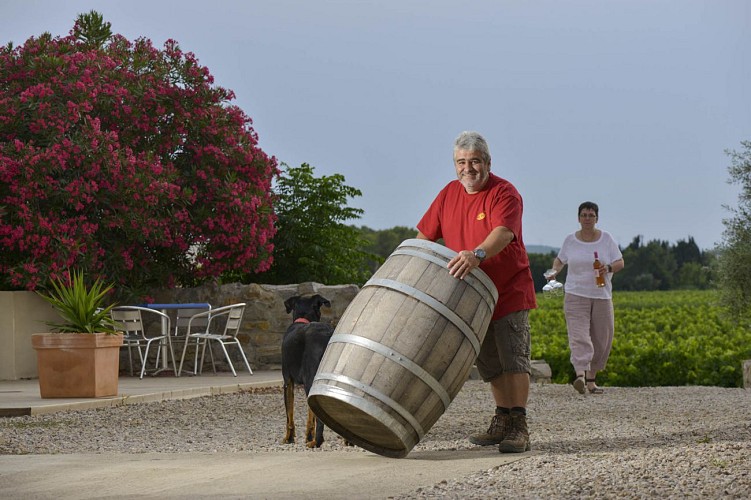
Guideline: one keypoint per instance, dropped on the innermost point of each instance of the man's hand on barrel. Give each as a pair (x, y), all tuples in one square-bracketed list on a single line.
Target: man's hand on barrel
[(461, 265)]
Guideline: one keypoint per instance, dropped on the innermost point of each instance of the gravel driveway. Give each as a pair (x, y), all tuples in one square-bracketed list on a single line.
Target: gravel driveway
[(674, 442)]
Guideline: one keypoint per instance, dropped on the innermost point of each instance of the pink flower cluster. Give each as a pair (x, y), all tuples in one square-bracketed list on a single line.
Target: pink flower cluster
[(127, 162)]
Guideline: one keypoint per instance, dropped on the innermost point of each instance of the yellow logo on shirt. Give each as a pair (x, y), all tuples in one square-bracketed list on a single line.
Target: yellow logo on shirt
[(481, 216)]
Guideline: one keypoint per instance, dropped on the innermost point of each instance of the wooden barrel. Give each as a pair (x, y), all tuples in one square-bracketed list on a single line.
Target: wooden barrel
[(402, 349)]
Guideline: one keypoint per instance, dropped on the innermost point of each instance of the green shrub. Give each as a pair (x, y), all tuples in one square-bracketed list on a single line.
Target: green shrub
[(662, 338)]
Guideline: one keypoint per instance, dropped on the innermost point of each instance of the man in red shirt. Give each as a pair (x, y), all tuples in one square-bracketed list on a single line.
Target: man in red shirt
[(479, 215)]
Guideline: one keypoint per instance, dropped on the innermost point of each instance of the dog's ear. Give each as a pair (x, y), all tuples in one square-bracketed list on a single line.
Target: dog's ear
[(322, 301), (289, 304)]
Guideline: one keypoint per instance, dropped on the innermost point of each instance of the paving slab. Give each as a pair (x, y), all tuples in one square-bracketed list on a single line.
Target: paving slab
[(314, 474)]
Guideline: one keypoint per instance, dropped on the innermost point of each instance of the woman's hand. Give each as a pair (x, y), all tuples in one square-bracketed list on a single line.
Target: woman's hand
[(606, 270)]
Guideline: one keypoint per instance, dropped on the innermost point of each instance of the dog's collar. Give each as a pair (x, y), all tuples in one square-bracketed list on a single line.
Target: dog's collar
[(302, 320)]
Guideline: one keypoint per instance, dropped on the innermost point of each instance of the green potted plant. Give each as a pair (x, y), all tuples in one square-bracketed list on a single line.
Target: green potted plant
[(82, 357)]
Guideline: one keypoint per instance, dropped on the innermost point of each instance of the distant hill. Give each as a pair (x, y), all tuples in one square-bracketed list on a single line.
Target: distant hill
[(543, 249)]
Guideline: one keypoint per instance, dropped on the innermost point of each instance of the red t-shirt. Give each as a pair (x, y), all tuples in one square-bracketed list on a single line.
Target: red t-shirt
[(464, 220)]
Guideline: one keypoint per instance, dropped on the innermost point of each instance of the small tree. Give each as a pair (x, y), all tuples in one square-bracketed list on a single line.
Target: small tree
[(734, 270), (312, 242), (127, 162)]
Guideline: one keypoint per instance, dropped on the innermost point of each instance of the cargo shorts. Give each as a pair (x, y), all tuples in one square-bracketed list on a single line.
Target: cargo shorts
[(507, 346)]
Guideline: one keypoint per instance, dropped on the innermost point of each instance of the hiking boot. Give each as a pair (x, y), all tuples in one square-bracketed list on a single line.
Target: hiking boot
[(517, 435), (496, 432)]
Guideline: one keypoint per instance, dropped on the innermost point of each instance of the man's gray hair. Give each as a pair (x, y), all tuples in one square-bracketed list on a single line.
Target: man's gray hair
[(473, 141)]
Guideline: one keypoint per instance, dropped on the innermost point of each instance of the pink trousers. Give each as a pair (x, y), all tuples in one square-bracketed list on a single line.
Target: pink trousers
[(591, 325)]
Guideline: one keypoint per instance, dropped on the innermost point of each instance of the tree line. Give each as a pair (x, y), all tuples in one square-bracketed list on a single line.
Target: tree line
[(654, 265), (314, 243)]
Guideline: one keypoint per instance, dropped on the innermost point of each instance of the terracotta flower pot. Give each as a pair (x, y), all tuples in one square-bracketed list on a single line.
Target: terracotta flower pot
[(77, 365)]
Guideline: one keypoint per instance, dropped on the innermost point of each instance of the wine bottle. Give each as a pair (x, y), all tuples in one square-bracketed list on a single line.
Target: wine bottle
[(599, 278)]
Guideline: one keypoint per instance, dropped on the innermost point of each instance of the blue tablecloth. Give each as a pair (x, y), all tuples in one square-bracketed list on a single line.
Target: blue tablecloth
[(193, 305)]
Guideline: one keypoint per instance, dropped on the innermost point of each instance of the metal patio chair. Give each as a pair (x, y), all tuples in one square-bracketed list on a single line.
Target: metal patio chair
[(130, 321), (224, 336), (184, 325)]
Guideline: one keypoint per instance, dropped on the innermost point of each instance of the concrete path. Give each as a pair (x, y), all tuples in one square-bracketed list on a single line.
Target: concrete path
[(21, 397)]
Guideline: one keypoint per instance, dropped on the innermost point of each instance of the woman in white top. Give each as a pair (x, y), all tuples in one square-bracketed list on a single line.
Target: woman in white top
[(587, 306)]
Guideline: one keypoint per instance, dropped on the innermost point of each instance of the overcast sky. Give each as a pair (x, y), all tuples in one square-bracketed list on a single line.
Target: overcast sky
[(628, 103)]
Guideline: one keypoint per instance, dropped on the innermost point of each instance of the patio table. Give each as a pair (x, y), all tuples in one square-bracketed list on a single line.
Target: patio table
[(165, 329)]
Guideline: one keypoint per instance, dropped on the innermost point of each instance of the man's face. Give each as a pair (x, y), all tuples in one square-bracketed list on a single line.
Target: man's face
[(471, 170)]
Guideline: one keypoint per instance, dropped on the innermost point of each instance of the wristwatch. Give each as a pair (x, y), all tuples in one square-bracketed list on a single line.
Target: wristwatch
[(610, 268), (479, 253)]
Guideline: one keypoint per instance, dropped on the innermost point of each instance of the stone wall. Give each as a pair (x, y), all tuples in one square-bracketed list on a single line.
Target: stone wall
[(265, 319), (264, 323)]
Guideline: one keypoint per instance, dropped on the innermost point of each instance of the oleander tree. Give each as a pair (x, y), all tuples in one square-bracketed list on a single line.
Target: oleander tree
[(735, 250), (127, 162)]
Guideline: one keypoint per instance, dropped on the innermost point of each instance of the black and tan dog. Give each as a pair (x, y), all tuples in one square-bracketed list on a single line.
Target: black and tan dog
[(303, 346)]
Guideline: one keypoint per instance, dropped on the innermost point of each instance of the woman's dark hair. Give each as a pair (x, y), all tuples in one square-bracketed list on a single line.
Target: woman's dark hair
[(591, 205)]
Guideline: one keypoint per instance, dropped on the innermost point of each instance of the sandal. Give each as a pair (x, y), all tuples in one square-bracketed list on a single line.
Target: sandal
[(579, 384), (594, 389)]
